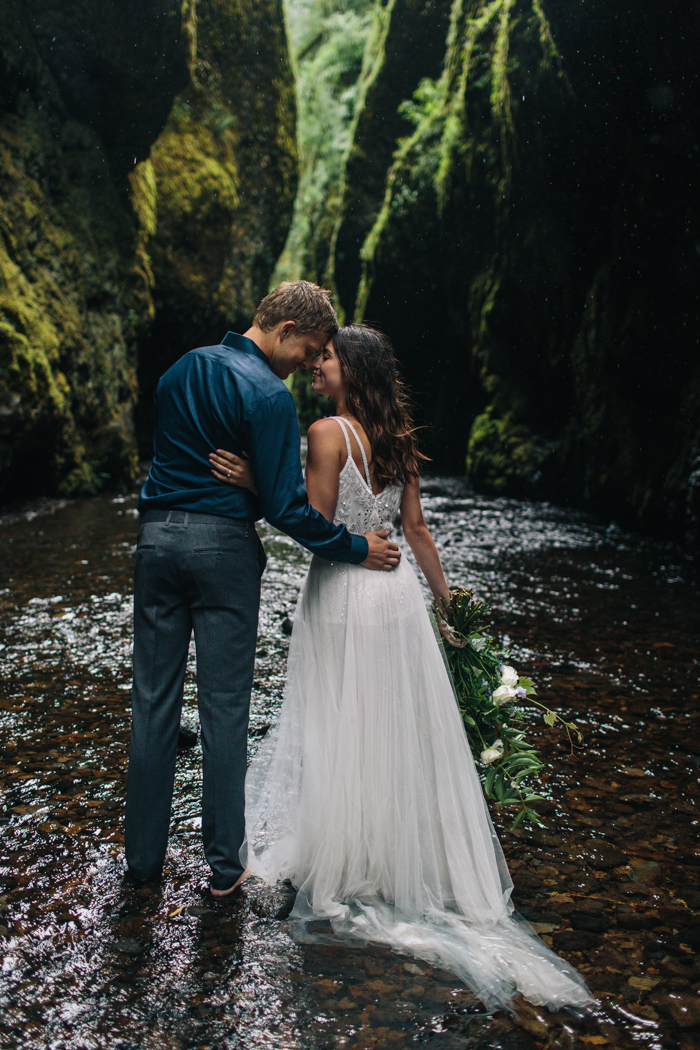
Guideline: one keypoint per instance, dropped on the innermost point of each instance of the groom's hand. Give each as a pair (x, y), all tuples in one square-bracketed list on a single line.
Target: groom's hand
[(382, 553)]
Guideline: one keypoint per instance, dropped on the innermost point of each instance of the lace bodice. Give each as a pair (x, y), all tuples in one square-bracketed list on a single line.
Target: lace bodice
[(358, 508)]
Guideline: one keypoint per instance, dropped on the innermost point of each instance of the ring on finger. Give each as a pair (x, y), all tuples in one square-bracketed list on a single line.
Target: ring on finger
[(228, 474)]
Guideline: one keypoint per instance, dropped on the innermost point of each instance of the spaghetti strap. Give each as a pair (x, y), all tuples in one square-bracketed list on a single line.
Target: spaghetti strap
[(347, 439), (346, 423)]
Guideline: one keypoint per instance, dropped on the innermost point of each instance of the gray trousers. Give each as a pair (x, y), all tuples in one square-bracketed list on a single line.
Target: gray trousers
[(193, 572)]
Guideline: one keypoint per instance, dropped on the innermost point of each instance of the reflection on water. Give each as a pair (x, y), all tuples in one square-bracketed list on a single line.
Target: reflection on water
[(605, 622)]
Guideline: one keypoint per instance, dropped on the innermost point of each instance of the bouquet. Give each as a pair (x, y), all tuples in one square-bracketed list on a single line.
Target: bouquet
[(491, 695)]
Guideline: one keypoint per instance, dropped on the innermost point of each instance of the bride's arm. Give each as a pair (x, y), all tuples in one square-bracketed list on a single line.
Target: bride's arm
[(421, 542), (323, 465)]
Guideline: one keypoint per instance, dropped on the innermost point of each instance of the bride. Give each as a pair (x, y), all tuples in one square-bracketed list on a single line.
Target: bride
[(365, 793)]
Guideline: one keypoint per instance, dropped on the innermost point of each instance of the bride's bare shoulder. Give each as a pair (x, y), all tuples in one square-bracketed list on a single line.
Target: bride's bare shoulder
[(325, 437), (325, 429)]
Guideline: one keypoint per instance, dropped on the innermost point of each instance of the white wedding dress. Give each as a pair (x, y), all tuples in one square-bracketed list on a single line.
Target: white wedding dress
[(365, 793)]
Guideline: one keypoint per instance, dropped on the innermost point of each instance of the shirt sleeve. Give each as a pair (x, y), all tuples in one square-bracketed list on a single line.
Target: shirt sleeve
[(273, 441)]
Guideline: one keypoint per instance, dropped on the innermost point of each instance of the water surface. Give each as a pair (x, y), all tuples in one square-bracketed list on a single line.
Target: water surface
[(605, 622)]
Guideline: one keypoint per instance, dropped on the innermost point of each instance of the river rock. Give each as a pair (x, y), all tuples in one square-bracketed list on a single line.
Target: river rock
[(682, 1007), (601, 856), (645, 872), (636, 920), (128, 946), (575, 940), (593, 921), (643, 984), (690, 935)]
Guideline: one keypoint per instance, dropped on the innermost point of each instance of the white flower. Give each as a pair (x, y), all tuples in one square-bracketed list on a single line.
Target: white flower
[(509, 676), (491, 754), (503, 695)]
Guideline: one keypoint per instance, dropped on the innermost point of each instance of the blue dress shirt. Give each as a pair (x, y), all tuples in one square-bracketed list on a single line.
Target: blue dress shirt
[(227, 397)]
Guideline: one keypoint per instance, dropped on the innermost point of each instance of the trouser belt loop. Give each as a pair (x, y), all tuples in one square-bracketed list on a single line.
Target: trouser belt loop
[(185, 518)]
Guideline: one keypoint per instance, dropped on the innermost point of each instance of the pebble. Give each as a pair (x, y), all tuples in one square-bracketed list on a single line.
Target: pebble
[(644, 984)]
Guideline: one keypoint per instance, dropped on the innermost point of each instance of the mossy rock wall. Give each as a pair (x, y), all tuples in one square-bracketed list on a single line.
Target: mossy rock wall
[(535, 254), (225, 175), (406, 43), (127, 189)]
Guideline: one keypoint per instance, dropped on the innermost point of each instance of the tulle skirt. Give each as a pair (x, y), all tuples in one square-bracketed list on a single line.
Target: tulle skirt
[(366, 797)]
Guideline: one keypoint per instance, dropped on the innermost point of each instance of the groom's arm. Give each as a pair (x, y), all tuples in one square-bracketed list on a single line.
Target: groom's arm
[(273, 443)]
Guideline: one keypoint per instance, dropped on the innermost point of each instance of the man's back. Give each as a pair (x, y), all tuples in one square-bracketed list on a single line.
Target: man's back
[(205, 401)]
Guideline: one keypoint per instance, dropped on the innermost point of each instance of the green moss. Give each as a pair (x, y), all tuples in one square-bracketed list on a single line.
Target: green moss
[(68, 374), (144, 196), (225, 170), (465, 116), (95, 249), (504, 456)]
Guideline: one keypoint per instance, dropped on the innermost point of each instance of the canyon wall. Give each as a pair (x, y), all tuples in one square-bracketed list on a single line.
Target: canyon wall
[(147, 177), (528, 234)]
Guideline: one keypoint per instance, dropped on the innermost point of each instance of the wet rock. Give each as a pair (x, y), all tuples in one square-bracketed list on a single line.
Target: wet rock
[(201, 911), (682, 1008), (601, 856), (187, 737), (656, 949), (678, 968), (128, 946), (270, 902), (516, 1040), (540, 837), (544, 808), (636, 920), (594, 921), (543, 927), (643, 984), (637, 800), (178, 226), (532, 1019), (645, 872), (575, 940), (287, 626), (690, 935), (527, 881), (675, 915)]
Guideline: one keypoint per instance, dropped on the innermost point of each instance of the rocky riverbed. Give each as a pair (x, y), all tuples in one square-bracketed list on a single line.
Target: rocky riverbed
[(606, 623)]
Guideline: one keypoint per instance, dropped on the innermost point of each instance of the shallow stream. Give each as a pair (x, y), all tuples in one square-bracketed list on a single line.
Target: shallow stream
[(605, 622)]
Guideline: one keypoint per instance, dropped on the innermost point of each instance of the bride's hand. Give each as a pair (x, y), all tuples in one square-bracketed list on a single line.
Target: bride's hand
[(442, 603), (234, 470)]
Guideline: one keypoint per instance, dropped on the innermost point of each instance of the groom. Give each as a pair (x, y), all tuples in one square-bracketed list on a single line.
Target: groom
[(199, 562)]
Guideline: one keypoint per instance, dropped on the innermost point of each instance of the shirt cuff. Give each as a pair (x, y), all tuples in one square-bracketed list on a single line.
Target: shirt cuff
[(360, 549)]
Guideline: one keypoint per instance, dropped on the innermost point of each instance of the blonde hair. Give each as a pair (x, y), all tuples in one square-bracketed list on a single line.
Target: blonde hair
[(300, 301)]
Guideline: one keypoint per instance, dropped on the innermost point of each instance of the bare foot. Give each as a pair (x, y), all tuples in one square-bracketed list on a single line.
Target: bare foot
[(237, 883)]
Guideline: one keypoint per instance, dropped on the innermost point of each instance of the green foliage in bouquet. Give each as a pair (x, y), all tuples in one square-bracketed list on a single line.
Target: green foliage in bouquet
[(490, 694)]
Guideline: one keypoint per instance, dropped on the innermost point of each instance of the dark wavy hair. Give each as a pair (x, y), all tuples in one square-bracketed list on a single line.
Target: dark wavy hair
[(376, 397)]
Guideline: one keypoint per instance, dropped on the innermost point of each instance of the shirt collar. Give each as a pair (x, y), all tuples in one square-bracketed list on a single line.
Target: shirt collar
[(234, 341)]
